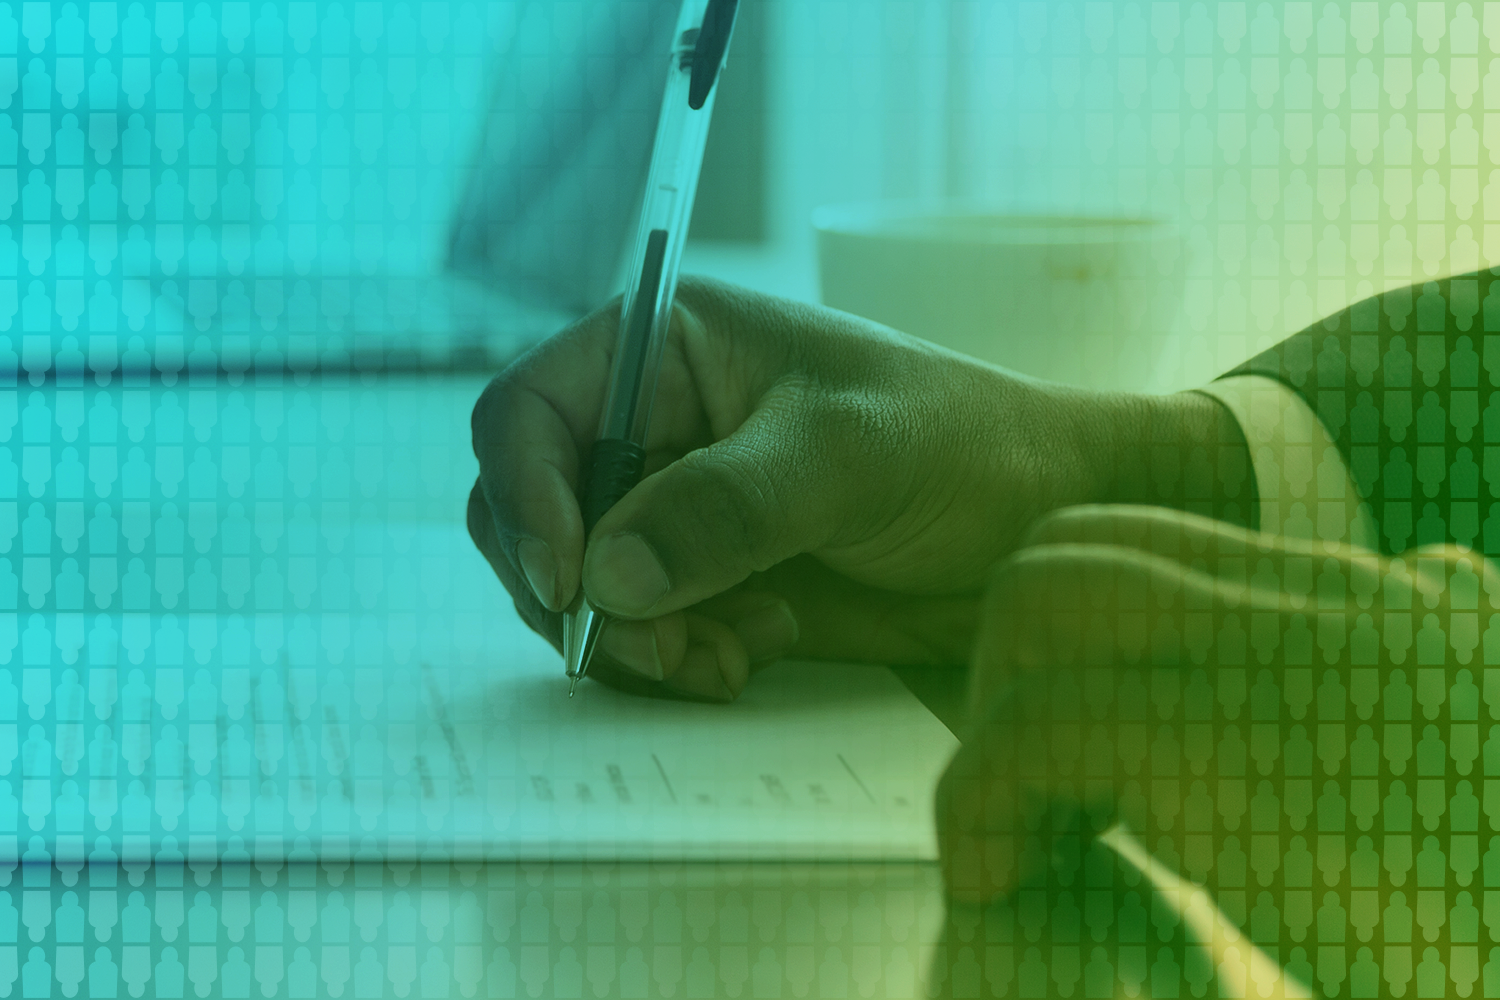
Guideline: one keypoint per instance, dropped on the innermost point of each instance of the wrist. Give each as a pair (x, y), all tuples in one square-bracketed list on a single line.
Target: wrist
[(1185, 451)]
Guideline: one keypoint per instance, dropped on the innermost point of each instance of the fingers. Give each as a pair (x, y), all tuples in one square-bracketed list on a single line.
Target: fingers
[(715, 666), (1062, 620), (1282, 567), (1053, 614), (840, 619), (1002, 793), (701, 659), (534, 425), (481, 524), (1160, 530), (1261, 569), (706, 653), (1174, 534), (528, 427), (650, 648), (1077, 605), (706, 522), (1186, 538), (707, 650)]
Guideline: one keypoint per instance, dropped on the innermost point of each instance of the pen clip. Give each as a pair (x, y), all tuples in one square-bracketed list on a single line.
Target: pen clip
[(709, 49)]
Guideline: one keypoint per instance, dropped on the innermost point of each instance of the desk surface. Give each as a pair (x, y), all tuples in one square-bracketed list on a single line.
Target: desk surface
[(120, 500), (101, 478), (437, 929)]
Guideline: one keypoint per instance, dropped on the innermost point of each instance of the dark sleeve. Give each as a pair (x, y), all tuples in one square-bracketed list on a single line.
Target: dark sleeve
[(1405, 383)]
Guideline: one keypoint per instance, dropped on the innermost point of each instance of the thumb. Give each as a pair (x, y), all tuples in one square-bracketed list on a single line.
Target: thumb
[(706, 522)]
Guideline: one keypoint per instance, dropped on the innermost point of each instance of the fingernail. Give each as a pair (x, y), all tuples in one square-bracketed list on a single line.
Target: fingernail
[(633, 644), (624, 576), (540, 569), (769, 632)]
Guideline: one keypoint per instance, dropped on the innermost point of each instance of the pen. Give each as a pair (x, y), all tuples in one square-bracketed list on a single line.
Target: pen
[(618, 456)]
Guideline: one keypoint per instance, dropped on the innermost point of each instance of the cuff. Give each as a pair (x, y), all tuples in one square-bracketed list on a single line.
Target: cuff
[(1305, 486)]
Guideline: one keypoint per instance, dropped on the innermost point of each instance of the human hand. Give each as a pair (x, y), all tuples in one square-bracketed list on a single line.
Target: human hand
[(1110, 668), (815, 483)]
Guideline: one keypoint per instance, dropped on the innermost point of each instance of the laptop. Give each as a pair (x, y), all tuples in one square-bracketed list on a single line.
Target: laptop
[(385, 185)]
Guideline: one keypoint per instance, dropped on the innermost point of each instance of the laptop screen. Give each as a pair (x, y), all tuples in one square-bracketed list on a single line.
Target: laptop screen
[(312, 173)]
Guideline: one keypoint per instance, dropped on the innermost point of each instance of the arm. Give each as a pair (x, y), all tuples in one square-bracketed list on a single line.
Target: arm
[(1305, 733), (1313, 670), (1396, 379)]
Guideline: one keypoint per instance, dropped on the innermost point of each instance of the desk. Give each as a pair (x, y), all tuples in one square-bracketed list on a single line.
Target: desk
[(210, 501), (502, 930), (208, 498)]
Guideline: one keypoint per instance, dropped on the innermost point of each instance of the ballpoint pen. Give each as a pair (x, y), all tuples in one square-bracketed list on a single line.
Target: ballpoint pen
[(617, 458)]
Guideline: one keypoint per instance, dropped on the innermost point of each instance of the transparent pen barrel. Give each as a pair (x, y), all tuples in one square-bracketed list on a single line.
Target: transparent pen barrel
[(646, 313)]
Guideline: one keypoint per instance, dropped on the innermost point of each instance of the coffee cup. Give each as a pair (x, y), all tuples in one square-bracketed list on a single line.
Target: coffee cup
[(1092, 301)]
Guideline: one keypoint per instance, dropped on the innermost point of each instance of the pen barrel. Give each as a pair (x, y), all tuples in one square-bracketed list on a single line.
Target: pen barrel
[(615, 467), (666, 210)]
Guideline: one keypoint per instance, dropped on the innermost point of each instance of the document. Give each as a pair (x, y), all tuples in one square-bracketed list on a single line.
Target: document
[(439, 732), (813, 761)]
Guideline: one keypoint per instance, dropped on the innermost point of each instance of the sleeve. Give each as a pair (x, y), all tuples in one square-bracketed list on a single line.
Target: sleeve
[(1397, 383), (1305, 487)]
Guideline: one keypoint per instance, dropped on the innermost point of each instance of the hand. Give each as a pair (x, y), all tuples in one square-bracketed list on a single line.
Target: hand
[(1092, 643), (816, 484)]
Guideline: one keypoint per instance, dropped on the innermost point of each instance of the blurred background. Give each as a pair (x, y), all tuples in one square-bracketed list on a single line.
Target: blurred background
[(1313, 154), (303, 169)]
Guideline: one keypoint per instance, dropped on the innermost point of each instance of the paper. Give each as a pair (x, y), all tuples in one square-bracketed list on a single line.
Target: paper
[(812, 761), (443, 732)]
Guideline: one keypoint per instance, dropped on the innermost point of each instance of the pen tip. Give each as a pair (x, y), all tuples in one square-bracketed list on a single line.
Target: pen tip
[(581, 629), (572, 686)]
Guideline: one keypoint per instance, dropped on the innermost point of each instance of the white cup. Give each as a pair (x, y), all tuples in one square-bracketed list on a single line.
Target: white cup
[(1089, 301)]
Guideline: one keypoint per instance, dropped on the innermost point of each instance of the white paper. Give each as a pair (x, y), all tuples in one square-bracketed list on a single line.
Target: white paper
[(443, 732), (812, 761)]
